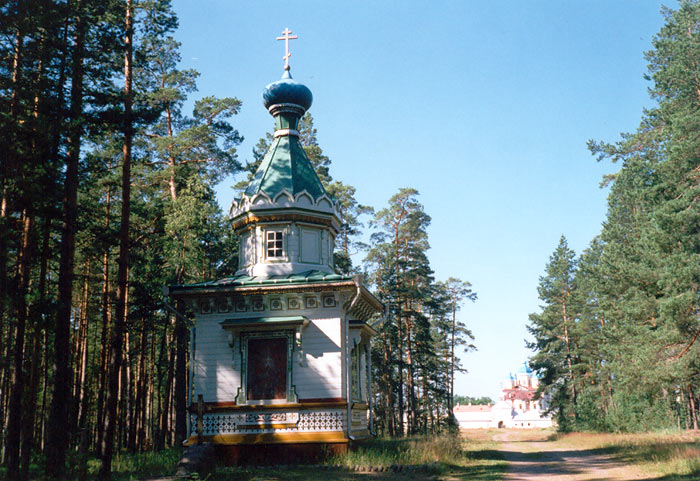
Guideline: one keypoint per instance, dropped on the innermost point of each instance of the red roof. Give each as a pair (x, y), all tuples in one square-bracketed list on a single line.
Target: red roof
[(472, 408), (520, 393)]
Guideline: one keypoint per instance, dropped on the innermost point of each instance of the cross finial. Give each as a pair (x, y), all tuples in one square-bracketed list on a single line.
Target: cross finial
[(286, 39)]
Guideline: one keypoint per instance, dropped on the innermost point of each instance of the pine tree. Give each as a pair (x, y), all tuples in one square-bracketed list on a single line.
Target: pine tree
[(554, 331)]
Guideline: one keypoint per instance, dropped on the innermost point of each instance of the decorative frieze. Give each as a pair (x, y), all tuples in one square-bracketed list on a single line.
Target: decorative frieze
[(222, 305), (322, 421), (270, 422), (240, 305), (310, 302), (328, 300), (276, 304), (205, 306), (293, 303), (262, 303), (258, 304)]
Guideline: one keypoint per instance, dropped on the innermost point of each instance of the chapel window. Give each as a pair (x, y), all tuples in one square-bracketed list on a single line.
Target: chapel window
[(275, 244)]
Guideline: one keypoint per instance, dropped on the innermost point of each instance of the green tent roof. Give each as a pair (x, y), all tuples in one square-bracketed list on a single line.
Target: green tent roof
[(285, 167)]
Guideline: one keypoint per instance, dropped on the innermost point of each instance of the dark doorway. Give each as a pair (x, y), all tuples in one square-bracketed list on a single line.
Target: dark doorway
[(267, 368)]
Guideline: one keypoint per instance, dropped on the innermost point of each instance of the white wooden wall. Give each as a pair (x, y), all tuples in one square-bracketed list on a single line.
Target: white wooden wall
[(216, 367)]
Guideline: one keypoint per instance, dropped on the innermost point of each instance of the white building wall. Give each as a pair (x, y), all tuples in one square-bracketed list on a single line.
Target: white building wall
[(217, 365), (320, 376), (216, 375)]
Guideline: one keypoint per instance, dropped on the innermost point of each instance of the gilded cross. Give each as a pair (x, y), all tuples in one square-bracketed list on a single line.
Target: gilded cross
[(286, 39)]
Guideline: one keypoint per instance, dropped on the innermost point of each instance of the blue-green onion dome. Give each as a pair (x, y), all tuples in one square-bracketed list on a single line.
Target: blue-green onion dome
[(524, 369), (287, 91)]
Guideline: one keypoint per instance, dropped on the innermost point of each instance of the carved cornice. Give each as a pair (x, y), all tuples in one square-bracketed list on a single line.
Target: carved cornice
[(243, 221)]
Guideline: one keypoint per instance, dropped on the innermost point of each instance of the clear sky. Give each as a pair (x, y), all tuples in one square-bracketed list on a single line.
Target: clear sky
[(484, 107)]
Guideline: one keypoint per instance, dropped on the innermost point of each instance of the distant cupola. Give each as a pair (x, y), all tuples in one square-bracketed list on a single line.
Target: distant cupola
[(285, 220)]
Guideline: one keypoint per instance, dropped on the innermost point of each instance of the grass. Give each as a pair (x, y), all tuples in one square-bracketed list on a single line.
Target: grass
[(669, 455), (450, 456), (405, 451), (125, 466)]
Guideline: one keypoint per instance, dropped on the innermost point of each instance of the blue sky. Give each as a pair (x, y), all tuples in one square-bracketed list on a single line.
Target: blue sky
[(484, 107)]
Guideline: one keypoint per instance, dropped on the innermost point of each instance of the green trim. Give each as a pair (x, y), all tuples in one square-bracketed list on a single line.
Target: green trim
[(254, 321), (306, 277), (241, 395)]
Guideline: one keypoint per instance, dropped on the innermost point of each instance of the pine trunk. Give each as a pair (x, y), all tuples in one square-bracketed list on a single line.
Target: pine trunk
[(28, 427), (181, 378), (58, 434), (106, 326), (119, 320), (14, 426), (693, 410), (165, 413)]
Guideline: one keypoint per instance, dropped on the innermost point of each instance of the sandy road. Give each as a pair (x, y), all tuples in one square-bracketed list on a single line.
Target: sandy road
[(541, 459)]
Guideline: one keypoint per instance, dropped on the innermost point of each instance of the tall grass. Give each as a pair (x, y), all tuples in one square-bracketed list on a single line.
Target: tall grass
[(125, 466), (147, 464), (415, 450)]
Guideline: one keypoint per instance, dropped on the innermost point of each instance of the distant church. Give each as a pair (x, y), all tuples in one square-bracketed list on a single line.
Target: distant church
[(280, 363), (516, 406)]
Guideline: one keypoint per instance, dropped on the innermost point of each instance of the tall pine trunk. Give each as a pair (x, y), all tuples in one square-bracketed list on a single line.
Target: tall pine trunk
[(181, 335), (59, 430), (115, 359), (14, 425), (28, 427), (106, 326)]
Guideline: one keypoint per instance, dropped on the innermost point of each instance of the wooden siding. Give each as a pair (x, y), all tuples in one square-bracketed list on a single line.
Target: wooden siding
[(321, 374), (216, 367), (216, 375)]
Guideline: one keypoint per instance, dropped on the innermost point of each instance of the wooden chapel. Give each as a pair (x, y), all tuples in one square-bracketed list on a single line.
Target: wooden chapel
[(280, 353)]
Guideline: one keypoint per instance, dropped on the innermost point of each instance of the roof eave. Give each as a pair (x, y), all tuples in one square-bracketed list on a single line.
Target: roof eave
[(179, 291)]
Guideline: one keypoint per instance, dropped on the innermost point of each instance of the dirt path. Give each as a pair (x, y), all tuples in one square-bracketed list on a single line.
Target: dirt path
[(538, 459)]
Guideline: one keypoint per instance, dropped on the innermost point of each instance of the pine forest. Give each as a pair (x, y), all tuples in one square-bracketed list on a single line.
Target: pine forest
[(107, 195), (109, 160)]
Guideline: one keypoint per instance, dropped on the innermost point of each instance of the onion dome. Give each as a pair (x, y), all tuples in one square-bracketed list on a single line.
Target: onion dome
[(286, 221), (286, 167), (287, 94), (286, 178), (524, 369)]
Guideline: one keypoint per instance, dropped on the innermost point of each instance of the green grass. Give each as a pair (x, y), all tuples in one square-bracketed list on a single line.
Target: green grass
[(415, 450), (125, 466), (452, 457), (128, 467)]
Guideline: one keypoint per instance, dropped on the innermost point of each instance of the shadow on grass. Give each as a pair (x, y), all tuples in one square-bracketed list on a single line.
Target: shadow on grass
[(681, 456), (484, 472), (486, 454)]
